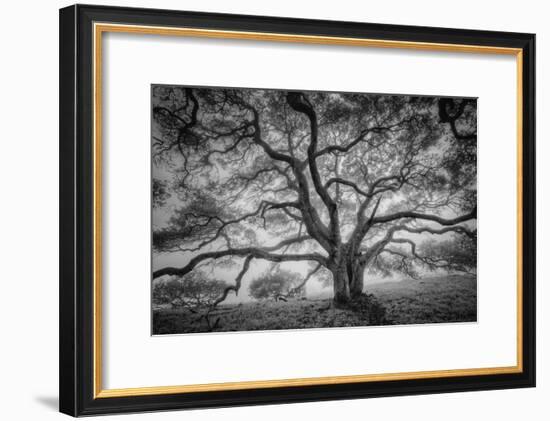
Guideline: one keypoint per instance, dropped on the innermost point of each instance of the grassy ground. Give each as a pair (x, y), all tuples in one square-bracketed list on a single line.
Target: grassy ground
[(431, 300)]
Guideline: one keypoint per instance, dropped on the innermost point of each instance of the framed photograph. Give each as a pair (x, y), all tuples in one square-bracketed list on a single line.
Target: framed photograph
[(262, 210)]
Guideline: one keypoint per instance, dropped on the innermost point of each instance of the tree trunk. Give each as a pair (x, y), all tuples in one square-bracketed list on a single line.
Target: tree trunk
[(348, 281), (341, 286), (357, 271)]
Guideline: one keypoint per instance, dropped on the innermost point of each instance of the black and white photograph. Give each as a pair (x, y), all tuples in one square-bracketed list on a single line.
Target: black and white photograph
[(276, 209)]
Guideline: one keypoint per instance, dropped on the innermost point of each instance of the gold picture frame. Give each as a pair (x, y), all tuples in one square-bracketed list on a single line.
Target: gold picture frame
[(91, 25)]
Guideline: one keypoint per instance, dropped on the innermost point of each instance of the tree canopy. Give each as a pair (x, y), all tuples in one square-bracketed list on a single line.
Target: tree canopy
[(343, 181)]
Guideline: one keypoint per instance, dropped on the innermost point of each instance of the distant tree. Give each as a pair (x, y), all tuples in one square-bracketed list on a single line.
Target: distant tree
[(458, 254), (167, 292), (193, 291), (340, 180), (276, 285)]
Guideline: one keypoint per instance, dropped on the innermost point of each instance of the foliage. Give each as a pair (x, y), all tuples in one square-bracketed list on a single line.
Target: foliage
[(456, 254), (275, 285), (196, 221), (167, 292), (160, 192), (194, 291)]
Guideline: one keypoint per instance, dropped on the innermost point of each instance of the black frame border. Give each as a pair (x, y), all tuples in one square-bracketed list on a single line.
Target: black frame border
[(76, 289)]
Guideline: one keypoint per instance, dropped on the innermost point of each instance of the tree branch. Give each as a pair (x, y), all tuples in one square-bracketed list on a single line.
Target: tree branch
[(428, 261), (264, 253), (338, 180), (427, 217), (237, 285), (311, 218), (305, 280), (445, 117), (301, 104)]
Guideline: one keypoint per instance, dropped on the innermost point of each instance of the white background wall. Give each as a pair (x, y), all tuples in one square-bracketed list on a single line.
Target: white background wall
[(29, 211)]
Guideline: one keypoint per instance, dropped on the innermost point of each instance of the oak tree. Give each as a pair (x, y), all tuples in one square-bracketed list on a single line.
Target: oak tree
[(347, 183)]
